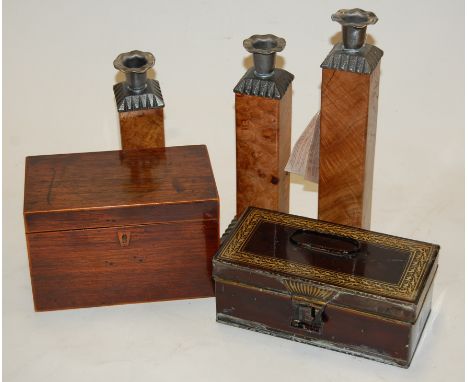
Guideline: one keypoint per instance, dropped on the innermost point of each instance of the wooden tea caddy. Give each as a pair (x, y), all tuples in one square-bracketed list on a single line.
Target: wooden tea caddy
[(120, 227)]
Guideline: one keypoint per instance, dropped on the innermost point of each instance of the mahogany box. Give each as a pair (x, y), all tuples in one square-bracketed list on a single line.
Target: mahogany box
[(120, 227), (338, 287)]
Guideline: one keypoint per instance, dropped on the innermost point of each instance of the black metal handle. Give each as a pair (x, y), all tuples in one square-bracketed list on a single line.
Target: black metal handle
[(328, 243)]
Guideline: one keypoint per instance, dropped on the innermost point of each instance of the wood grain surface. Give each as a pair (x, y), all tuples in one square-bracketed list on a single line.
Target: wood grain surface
[(92, 267), (120, 226), (101, 189), (347, 144), (263, 145), (142, 129)]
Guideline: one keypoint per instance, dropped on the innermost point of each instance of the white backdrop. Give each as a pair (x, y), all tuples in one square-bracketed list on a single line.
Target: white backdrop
[(57, 98)]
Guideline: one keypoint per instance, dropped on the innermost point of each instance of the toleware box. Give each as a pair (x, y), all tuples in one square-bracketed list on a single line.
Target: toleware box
[(330, 285), (120, 226)]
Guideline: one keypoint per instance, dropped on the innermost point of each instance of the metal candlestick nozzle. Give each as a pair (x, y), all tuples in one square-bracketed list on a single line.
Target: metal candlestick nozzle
[(264, 48), (354, 24)]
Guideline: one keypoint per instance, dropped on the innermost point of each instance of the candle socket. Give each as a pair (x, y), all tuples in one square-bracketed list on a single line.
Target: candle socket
[(353, 38)]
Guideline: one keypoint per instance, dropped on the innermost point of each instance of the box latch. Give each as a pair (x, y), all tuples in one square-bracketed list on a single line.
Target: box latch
[(308, 316)]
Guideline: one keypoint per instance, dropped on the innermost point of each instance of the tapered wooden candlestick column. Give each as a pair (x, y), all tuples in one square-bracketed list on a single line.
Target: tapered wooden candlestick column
[(263, 128), (139, 102), (350, 88)]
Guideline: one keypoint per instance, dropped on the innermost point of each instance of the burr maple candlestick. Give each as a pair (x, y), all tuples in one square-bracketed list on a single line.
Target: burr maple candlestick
[(139, 102), (263, 128), (350, 88)]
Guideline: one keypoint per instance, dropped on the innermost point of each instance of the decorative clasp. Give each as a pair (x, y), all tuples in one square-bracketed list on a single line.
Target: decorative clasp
[(308, 304), (308, 316)]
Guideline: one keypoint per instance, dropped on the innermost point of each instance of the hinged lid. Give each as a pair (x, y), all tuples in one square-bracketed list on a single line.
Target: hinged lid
[(326, 263), (113, 188)]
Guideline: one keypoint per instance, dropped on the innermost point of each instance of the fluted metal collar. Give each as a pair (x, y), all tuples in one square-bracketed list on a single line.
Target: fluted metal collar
[(355, 17), (135, 61), (264, 44)]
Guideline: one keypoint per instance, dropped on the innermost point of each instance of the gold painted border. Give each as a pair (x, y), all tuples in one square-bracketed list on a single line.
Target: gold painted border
[(406, 289)]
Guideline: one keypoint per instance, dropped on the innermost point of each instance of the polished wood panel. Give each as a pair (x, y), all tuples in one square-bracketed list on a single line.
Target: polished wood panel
[(142, 129), (263, 145), (347, 142), (106, 266), (118, 187)]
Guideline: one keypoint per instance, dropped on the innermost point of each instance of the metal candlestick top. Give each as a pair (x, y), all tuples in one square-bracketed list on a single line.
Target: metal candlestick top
[(354, 24), (137, 92), (135, 65), (264, 48), (263, 79)]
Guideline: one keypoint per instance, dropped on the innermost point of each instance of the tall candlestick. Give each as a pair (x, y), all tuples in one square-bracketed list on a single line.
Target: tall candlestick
[(263, 128), (348, 119)]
